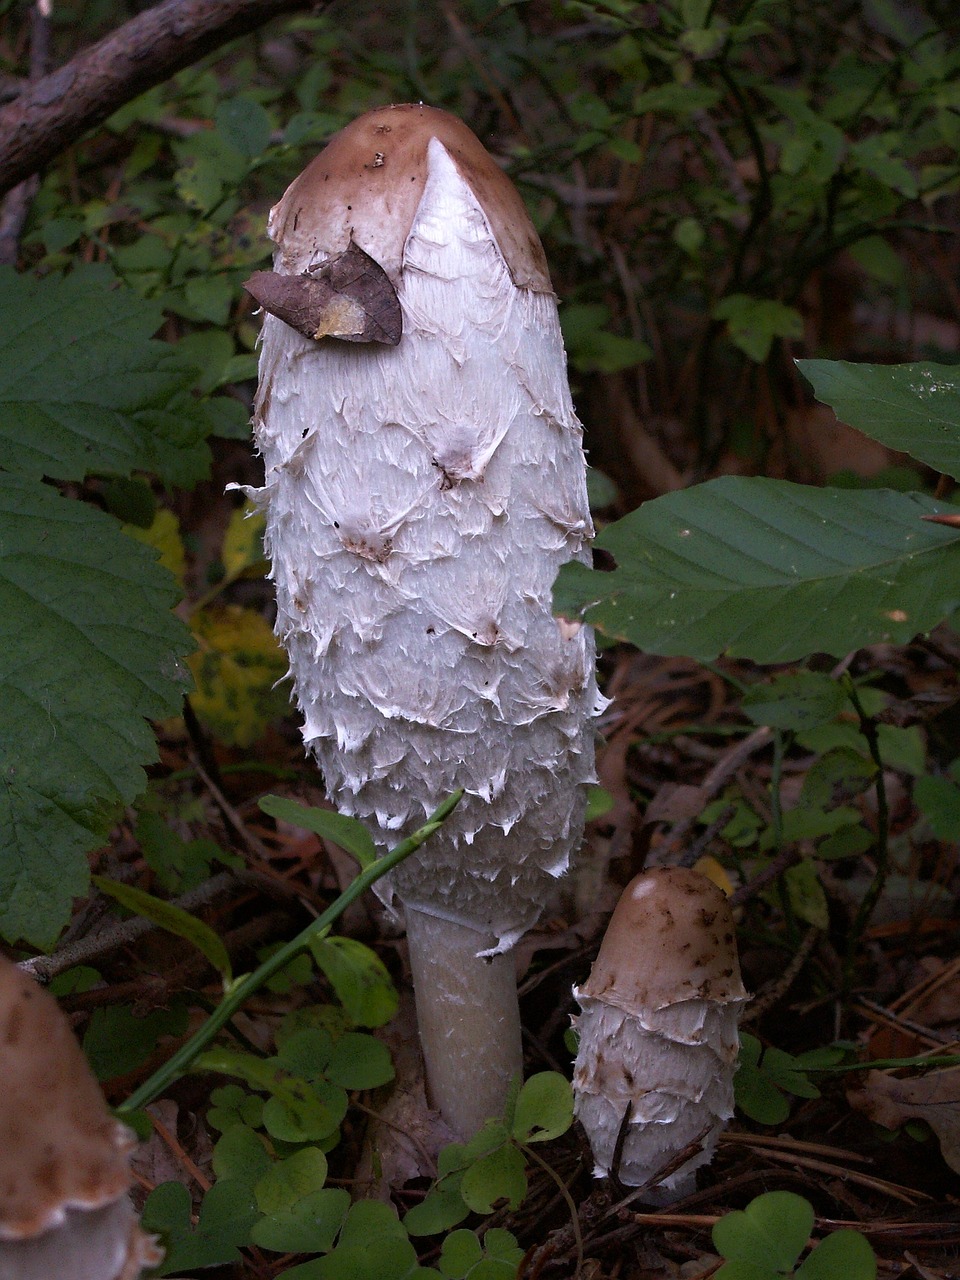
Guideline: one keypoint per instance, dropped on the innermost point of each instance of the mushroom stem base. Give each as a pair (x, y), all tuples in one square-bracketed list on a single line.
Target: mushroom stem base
[(469, 1019)]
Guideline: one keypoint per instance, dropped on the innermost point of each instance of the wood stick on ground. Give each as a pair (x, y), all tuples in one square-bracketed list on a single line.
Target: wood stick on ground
[(50, 114)]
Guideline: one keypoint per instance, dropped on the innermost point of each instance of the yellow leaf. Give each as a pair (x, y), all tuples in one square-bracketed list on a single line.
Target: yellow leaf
[(243, 542), (164, 536), (236, 667), (714, 871)]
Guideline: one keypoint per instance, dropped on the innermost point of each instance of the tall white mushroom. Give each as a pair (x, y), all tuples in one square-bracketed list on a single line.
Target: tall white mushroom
[(64, 1160), (420, 498), (658, 1032)]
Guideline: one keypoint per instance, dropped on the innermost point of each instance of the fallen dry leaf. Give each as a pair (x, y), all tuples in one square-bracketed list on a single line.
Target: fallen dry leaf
[(933, 1097)]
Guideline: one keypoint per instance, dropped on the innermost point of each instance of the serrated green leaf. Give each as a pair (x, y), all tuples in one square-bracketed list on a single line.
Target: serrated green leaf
[(171, 918), (84, 387), (772, 1231), (914, 408), (88, 649), (496, 1177), (768, 570), (544, 1108), (348, 833), (360, 979)]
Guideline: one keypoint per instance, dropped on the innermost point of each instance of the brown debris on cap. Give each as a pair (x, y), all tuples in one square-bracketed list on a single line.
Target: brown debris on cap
[(60, 1148), (366, 185), (671, 938)]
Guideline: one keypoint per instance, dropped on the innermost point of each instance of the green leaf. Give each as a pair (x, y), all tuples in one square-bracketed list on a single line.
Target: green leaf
[(496, 1177), (938, 800), (234, 1106), (914, 408), (360, 979), (753, 323), (348, 833), (83, 387), (88, 649), (772, 1231), (244, 124), (592, 348), (171, 918), (797, 700), (225, 1222), (441, 1209), (768, 570), (461, 1250), (806, 895), (116, 1042), (309, 1226), (845, 1254), (359, 1062), (544, 1108)]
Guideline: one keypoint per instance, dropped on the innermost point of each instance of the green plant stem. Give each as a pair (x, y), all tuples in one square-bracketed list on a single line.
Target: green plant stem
[(943, 1060), (244, 987), (568, 1199), (867, 906)]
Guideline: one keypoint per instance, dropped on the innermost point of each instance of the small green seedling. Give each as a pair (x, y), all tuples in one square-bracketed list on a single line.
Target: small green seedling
[(765, 1241)]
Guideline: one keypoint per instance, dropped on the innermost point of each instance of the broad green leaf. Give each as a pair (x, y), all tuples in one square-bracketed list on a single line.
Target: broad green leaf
[(797, 700), (772, 1231), (544, 1108), (359, 1062), (461, 1250), (806, 895), (116, 1042), (768, 570), (938, 799), (309, 1226), (88, 649), (845, 1254), (348, 833), (753, 323), (498, 1176), (288, 1180), (914, 408), (171, 918), (440, 1210), (84, 387), (360, 979)]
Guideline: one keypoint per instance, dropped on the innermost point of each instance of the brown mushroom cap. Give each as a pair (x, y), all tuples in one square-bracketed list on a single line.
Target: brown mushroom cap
[(366, 184), (671, 938), (59, 1146)]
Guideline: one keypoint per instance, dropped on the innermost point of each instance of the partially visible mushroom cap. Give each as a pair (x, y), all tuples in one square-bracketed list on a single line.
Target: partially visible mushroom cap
[(64, 1160), (670, 939), (365, 187)]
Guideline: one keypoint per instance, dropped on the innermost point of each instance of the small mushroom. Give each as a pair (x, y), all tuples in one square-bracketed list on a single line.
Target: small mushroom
[(64, 1160), (658, 1032)]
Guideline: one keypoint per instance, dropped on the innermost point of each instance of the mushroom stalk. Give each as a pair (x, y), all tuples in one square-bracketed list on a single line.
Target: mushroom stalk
[(468, 1017), (422, 490)]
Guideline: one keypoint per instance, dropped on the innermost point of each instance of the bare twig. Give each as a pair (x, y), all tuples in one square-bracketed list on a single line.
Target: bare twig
[(52, 113), (16, 206)]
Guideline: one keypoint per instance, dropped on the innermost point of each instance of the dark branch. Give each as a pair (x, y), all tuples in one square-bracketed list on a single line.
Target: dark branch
[(53, 112)]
